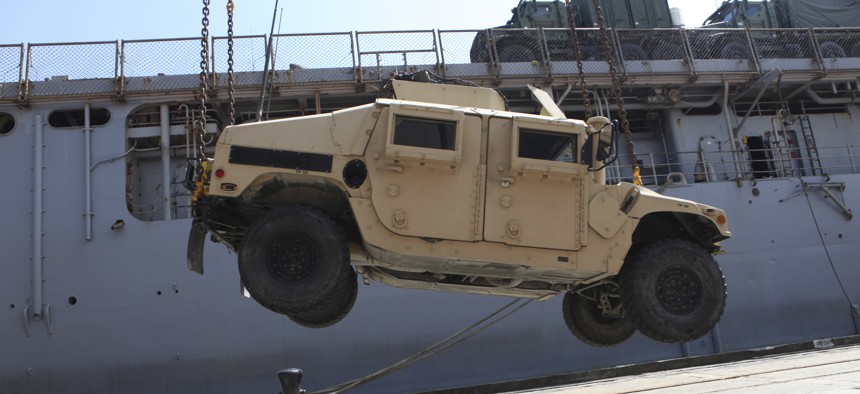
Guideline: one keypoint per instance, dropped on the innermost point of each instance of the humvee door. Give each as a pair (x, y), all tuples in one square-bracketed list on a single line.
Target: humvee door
[(427, 178), (536, 188)]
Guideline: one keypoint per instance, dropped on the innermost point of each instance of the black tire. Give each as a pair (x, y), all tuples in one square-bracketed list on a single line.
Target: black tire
[(673, 291), (293, 258), (515, 52), (667, 51), (831, 50), (333, 308), (855, 50), (479, 53), (735, 50), (631, 51), (587, 321)]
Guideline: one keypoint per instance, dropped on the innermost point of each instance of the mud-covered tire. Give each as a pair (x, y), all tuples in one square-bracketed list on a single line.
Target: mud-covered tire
[(293, 258), (855, 50), (516, 52), (673, 291), (332, 309), (667, 51), (586, 321), (735, 50), (831, 50), (632, 52)]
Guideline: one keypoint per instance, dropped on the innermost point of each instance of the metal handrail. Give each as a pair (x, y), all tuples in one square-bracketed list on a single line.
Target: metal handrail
[(691, 40), (843, 159), (20, 67), (359, 53)]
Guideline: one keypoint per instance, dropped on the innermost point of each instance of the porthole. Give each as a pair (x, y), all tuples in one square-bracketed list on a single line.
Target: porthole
[(74, 118), (7, 123)]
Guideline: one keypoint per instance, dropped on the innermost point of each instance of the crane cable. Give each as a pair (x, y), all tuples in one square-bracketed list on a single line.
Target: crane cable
[(204, 88), (571, 23), (198, 185), (231, 116), (616, 92)]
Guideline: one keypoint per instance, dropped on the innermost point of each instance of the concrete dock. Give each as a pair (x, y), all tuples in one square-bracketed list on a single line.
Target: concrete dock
[(834, 370)]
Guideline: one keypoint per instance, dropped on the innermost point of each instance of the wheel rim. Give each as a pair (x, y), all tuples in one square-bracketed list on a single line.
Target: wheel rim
[(679, 290), (291, 257)]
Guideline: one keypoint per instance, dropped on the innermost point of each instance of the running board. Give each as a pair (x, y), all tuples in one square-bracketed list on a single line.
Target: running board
[(384, 277)]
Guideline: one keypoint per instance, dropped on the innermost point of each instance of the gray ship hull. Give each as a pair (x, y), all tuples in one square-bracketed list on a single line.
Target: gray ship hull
[(121, 312)]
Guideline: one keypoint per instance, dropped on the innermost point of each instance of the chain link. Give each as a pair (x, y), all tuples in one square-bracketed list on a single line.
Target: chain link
[(204, 88), (616, 91), (586, 101), (230, 81)]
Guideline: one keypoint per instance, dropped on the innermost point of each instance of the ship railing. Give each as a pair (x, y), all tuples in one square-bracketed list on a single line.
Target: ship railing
[(681, 56), (383, 53), (660, 169), (11, 70)]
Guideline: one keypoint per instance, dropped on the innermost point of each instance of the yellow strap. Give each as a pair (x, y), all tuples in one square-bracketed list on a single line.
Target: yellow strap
[(637, 178), (202, 182)]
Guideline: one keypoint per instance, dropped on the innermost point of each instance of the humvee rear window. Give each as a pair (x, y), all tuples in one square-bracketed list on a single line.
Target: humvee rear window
[(544, 145), (425, 133)]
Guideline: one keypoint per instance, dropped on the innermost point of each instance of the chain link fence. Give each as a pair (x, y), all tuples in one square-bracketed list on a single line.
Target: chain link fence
[(11, 57), (464, 54), (11, 69), (519, 52), (156, 65), (381, 54), (653, 51), (72, 68), (721, 51), (839, 48), (562, 53), (313, 58), (249, 58), (788, 49), (159, 65)]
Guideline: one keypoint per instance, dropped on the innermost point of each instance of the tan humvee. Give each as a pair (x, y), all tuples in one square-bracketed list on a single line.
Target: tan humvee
[(440, 188)]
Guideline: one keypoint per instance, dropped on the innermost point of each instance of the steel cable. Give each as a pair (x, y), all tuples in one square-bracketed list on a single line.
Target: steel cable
[(446, 343)]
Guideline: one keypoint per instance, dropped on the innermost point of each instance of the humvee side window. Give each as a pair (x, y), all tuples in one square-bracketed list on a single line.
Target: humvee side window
[(425, 133), (544, 145)]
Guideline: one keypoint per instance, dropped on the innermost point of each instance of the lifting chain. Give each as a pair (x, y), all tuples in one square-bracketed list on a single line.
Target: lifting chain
[(586, 102), (616, 91), (204, 88), (230, 90)]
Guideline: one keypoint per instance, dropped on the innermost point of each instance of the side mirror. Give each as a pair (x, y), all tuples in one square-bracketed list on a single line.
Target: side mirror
[(600, 146), (606, 142)]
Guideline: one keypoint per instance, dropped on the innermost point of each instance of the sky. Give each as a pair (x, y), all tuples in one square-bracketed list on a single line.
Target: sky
[(59, 21)]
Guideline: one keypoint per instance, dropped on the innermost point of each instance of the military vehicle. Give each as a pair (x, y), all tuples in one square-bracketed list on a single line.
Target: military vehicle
[(441, 188), (522, 46), (786, 14)]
